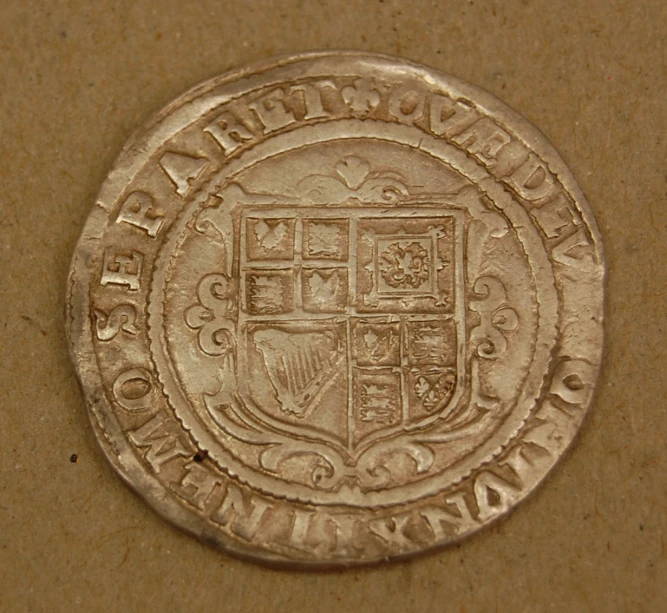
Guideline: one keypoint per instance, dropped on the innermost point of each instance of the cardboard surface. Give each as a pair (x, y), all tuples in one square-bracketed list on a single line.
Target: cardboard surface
[(76, 78)]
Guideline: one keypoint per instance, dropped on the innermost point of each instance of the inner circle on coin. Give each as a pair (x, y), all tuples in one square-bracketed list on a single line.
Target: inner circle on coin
[(337, 308)]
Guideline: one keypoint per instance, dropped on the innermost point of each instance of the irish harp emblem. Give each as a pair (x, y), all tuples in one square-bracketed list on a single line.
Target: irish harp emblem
[(300, 365)]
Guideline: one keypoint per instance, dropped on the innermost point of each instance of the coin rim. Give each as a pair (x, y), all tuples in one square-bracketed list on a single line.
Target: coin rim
[(140, 146)]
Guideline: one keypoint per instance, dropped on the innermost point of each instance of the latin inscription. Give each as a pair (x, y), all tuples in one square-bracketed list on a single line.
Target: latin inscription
[(271, 112), (444, 521), (484, 139), (182, 170), (139, 211), (242, 516), (492, 491), (131, 389), (228, 132), (122, 269), (312, 97), (197, 484), (457, 121), (120, 318), (251, 516), (162, 440)]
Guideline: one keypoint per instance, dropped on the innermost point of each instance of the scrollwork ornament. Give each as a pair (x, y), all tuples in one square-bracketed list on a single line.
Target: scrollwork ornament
[(216, 301), (496, 318)]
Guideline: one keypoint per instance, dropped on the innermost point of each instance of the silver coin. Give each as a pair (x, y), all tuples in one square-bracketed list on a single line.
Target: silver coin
[(336, 308)]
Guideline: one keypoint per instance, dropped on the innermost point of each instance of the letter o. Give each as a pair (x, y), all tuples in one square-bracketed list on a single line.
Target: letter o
[(397, 101), (131, 388), (572, 381)]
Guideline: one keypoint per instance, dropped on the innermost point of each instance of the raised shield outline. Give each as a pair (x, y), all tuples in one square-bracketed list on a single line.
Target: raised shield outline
[(351, 317)]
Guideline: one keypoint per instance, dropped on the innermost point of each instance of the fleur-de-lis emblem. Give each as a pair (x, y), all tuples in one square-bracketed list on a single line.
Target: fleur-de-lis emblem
[(324, 289), (354, 181), (353, 170), (362, 96), (268, 236)]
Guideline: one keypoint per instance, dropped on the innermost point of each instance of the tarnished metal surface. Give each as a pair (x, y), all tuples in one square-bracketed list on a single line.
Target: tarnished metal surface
[(336, 308)]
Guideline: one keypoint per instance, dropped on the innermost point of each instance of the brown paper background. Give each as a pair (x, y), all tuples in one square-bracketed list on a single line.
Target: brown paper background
[(77, 77)]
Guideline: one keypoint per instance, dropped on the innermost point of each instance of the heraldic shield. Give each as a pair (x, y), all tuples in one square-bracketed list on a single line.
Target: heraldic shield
[(351, 321)]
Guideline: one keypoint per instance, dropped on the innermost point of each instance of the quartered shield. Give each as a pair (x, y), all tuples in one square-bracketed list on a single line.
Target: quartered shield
[(351, 321)]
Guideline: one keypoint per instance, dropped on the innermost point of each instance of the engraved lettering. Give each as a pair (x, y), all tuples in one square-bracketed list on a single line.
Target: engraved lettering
[(575, 251), (131, 388), (493, 495), (364, 275), (435, 516), (163, 445), (122, 269), (532, 180), (301, 522), (484, 139), (449, 117), (312, 97), (509, 157), (527, 470), (573, 381), (243, 518), (228, 132), (197, 484), (123, 317), (406, 105), (271, 112), (346, 536), (555, 216), (390, 530), (138, 211), (182, 169), (560, 221), (550, 434)]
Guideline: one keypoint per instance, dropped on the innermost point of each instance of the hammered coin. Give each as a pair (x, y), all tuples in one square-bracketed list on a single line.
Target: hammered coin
[(336, 308)]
